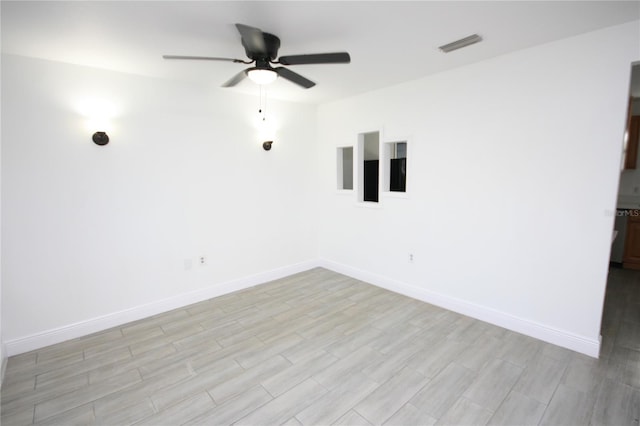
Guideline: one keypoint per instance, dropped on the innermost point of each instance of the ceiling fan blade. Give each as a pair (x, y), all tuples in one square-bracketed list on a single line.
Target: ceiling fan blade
[(236, 79), (317, 58), (203, 58), (252, 38), (294, 77)]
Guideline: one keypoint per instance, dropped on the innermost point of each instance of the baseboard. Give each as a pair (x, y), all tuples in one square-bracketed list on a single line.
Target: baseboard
[(93, 325), (530, 328), (520, 325)]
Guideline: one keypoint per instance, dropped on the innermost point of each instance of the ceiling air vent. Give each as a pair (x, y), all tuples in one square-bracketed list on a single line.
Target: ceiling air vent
[(458, 44)]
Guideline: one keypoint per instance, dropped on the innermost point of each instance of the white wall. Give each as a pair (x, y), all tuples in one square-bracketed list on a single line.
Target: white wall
[(512, 176), (96, 235), (3, 353)]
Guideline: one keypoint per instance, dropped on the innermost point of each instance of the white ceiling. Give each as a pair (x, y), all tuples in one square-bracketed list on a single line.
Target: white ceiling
[(389, 42)]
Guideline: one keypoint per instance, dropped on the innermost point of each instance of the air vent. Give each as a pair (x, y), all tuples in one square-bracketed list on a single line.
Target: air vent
[(458, 44)]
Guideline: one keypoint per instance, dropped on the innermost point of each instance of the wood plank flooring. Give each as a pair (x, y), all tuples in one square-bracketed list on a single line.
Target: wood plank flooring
[(319, 348)]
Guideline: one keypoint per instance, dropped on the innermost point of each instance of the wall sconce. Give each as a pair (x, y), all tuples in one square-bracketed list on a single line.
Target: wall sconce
[(267, 145), (100, 138), (97, 113)]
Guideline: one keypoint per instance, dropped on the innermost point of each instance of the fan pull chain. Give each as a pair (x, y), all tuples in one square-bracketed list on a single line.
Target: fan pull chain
[(259, 99), (262, 106)]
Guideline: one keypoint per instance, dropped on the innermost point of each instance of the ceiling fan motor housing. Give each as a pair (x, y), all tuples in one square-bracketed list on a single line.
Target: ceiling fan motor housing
[(271, 43)]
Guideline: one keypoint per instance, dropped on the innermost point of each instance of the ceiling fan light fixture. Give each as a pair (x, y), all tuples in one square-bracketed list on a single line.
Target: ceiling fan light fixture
[(262, 76), (262, 50)]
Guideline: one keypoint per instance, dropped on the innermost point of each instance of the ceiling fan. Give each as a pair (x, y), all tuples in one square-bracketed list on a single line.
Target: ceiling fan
[(262, 50)]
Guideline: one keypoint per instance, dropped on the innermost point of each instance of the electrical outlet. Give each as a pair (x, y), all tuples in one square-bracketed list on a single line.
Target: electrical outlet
[(410, 257), (203, 260)]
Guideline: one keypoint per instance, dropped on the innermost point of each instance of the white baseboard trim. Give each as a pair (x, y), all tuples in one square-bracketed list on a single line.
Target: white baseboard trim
[(530, 328), (545, 333), (93, 325)]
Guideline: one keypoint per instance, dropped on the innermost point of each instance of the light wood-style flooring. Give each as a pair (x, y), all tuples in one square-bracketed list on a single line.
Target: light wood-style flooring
[(319, 348)]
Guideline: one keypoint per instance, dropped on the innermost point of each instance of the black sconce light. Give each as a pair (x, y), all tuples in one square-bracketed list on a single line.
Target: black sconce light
[(267, 145), (100, 138)]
